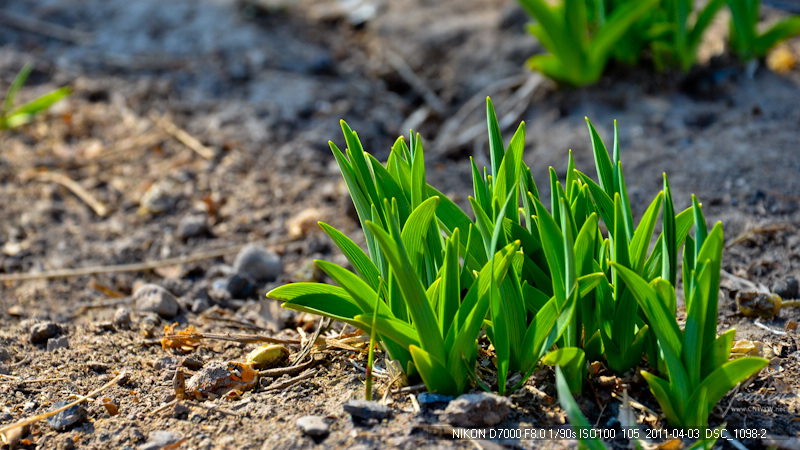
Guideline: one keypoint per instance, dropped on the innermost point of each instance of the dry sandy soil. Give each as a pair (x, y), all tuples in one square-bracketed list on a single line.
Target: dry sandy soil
[(262, 86)]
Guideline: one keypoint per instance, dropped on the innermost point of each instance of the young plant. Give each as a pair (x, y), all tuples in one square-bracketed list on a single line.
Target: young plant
[(580, 48), (620, 328), (537, 301), (745, 38), (408, 290), (11, 116), (698, 372)]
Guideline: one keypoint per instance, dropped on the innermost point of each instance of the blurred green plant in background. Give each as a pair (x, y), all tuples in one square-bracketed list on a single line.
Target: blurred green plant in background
[(583, 36), (12, 117)]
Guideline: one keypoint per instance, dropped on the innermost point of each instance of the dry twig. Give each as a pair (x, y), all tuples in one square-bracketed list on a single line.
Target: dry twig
[(752, 233), (165, 406), (99, 208), (241, 338), (636, 405), (217, 409), (51, 30), (454, 123), (414, 403), (292, 381), (454, 134), (108, 304), (130, 146), (762, 326), (410, 389), (407, 74), (5, 430), (323, 324), (37, 380), (240, 323), (291, 370), (214, 408), (135, 267), (185, 138)]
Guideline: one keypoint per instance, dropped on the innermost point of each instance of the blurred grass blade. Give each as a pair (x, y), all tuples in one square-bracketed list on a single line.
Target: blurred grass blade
[(360, 261), (574, 414), (24, 113), (424, 319), (16, 85), (496, 148), (435, 375)]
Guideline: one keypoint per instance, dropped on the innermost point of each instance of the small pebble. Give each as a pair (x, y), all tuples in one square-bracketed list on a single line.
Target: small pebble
[(426, 398), (4, 355), (308, 272), (313, 426), (154, 298), (148, 325), (122, 317), (362, 409), (268, 356), (192, 363), (160, 439), (200, 304), (97, 366), (54, 344), (787, 289), (102, 327), (258, 264), (477, 410), (67, 418), (301, 223), (180, 411), (240, 287), (165, 363), (219, 291), (43, 331), (157, 199), (192, 226)]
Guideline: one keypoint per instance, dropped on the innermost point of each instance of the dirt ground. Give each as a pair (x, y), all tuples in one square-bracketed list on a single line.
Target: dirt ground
[(262, 84)]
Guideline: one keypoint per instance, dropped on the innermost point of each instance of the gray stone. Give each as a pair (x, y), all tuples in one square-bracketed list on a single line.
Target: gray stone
[(192, 363), (67, 418), (426, 398), (192, 226), (258, 264), (362, 409), (154, 298), (122, 317), (165, 363), (219, 291), (157, 199), (313, 426), (240, 287), (180, 411), (787, 289), (54, 344), (41, 332), (200, 304), (477, 410), (160, 439)]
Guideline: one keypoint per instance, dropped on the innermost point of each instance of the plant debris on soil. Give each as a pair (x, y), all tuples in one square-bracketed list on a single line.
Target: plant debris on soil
[(184, 177)]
